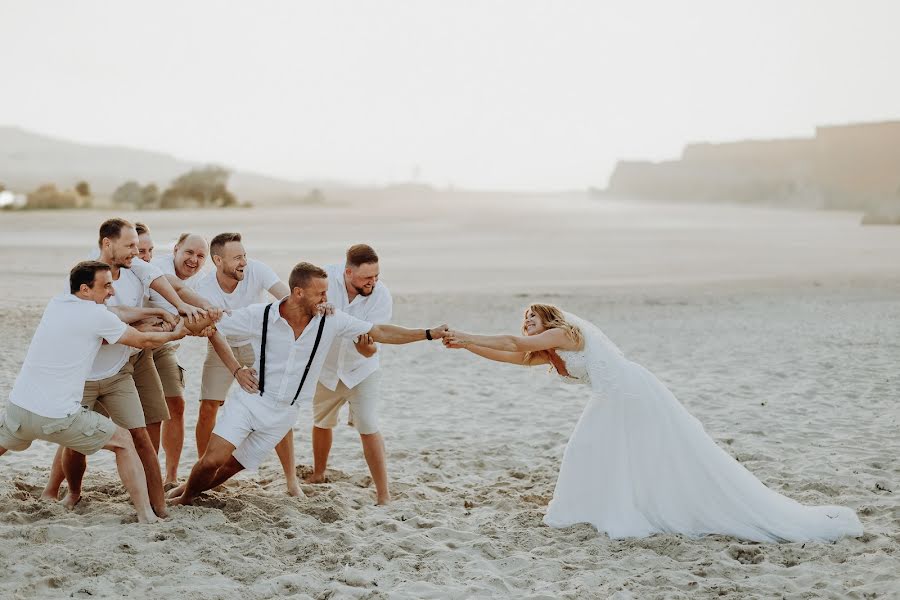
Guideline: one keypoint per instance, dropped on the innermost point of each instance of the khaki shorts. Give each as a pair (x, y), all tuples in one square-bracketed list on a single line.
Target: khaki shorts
[(85, 431), (216, 376), (363, 401), (165, 358), (133, 397)]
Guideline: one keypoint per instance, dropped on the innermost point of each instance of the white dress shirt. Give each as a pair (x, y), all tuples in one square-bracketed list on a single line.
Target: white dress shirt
[(286, 356), (344, 362)]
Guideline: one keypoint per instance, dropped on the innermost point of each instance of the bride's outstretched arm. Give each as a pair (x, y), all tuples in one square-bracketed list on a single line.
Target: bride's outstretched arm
[(547, 340), (515, 358)]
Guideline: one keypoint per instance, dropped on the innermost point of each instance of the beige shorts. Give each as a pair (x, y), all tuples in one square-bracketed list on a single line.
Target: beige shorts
[(363, 401), (85, 431), (133, 397), (170, 372), (216, 377)]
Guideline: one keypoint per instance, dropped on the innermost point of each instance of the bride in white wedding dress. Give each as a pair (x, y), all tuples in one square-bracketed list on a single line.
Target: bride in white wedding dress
[(637, 462)]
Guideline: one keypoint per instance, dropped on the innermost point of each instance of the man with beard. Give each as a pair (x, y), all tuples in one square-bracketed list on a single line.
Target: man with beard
[(350, 375), (292, 338), (122, 380), (237, 283), (185, 265)]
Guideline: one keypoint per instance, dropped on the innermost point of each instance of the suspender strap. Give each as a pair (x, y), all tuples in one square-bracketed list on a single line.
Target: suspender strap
[(312, 355), (262, 351)]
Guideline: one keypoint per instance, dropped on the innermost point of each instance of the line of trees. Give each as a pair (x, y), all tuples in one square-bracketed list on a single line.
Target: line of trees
[(206, 187), (49, 196)]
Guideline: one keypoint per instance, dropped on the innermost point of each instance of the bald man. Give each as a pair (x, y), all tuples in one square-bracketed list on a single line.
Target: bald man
[(184, 264)]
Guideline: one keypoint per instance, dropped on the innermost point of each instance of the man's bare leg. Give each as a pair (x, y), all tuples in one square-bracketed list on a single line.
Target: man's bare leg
[(51, 490), (153, 430), (147, 454), (73, 466), (206, 421), (285, 452), (131, 472), (321, 443), (373, 450), (214, 468), (2, 450), (173, 437)]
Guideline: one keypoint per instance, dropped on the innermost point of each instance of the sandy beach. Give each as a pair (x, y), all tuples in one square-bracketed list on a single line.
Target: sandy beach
[(779, 330)]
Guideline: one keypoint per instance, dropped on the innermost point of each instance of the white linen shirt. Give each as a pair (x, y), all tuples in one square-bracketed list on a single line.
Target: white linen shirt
[(258, 279), (286, 356), (59, 358), (132, 286), (166, 264), (344, 362)]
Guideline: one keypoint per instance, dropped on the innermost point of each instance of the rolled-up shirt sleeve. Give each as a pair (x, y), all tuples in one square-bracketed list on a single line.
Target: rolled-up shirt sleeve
[(350, 327)]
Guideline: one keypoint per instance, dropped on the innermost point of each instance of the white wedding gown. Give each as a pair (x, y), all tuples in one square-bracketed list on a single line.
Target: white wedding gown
[(638, 463)]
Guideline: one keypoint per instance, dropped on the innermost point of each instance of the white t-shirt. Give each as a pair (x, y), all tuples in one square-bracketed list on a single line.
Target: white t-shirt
[(131, 287), (51, 382), (258, 278), (344, 363), (286, 356), (166, 264)]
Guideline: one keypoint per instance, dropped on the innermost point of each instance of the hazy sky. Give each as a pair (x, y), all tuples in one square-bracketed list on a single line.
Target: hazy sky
[(515, 94)]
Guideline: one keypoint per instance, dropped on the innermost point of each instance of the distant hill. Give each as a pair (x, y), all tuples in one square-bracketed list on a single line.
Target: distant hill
[(29, 159)]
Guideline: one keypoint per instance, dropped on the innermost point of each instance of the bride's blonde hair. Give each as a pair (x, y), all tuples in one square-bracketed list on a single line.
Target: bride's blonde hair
[(552, 318)]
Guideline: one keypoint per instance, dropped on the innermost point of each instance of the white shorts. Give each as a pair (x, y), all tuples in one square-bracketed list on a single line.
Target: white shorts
[(363, 400), (254, 426)]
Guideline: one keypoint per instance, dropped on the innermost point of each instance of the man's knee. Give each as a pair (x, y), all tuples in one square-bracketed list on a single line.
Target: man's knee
[(121, 438), (176, 406), (218, 451), (141, 438), (214, 460), (209, 408)]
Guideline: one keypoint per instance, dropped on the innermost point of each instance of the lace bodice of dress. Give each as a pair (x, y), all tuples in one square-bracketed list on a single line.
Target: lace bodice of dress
[(576, 365)]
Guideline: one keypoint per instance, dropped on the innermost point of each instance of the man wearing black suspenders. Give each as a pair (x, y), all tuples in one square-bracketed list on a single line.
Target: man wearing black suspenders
[(291, 339)]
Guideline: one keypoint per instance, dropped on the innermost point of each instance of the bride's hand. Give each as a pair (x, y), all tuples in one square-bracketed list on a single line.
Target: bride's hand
[(450, 343), (457, 339)]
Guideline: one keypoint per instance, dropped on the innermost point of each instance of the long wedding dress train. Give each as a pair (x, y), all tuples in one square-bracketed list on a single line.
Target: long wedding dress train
[(638, 463)]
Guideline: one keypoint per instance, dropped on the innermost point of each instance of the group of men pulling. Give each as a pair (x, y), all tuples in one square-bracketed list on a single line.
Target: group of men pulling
[(102, 370)]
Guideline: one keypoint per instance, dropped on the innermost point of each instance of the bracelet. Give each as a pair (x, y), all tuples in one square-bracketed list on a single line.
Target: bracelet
[(234, 373), (428, 334)]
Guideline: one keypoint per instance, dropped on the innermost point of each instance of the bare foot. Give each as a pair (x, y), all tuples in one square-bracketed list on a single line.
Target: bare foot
[(293, 488), (148, 518), (70, 500), (316, 478), (169, 484), (383, 499), (176, 491), (181, 501), (49, 497), (161, 511)]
